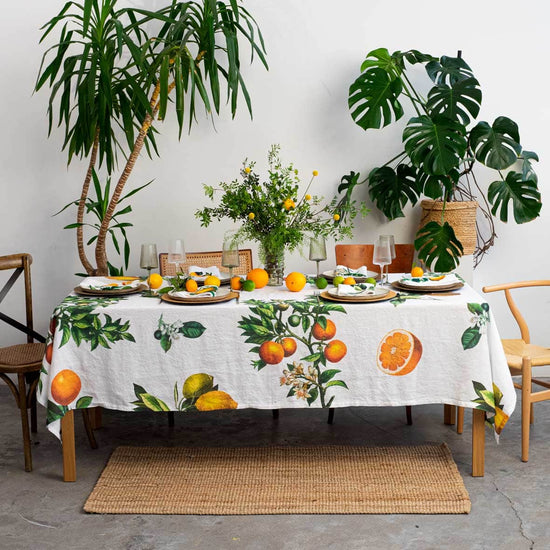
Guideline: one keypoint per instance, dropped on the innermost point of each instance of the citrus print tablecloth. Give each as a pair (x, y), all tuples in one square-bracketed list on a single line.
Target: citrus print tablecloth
[(274, 349)]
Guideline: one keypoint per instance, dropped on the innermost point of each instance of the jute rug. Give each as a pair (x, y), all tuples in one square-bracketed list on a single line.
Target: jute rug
[(280, 480)]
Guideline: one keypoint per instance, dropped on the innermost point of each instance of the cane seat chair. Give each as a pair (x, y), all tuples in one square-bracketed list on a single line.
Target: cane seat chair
[(22, 360), (522, 356), (206, 259), (358, 255)]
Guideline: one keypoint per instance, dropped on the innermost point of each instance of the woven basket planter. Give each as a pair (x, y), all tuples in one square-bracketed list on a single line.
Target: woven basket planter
[(460, 215)]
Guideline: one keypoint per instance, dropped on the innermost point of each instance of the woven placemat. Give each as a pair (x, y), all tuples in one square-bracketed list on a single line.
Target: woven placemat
[(419, 479)]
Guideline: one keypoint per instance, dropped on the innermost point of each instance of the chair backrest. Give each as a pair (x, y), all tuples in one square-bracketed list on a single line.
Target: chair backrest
[(507, 287), (206, 259), (19, 264), (356, 255)]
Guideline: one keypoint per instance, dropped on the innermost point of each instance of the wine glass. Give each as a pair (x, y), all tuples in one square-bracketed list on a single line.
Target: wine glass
[(230, 255), (176, 253), (148, 259), (382, 256), (317, 250), (391, 240)]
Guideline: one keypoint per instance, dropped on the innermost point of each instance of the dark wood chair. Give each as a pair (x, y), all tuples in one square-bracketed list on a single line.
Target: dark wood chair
[(357, 255), (23, 360)]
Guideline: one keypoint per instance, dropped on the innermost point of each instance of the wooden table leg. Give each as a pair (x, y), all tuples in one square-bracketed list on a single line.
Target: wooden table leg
[(459, 420), (449, 414), (95, 417), (478, 443), (67, 441)]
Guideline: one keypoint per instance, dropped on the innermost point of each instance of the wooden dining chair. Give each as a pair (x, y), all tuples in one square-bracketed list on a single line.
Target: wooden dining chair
[(522, 356), (206, 259), (23, 360)]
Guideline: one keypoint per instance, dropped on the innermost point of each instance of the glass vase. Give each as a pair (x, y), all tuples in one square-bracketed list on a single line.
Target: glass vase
[(274, 264)]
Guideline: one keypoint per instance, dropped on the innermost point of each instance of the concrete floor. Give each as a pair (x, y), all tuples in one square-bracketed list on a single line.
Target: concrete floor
[(510, 505)]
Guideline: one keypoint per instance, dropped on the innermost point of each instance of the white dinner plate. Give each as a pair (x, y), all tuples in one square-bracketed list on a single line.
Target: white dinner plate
[(370, 274), (378, 293), (220, 293)]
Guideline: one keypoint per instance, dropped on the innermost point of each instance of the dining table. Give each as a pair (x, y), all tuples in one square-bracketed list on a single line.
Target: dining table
[(272, 349)]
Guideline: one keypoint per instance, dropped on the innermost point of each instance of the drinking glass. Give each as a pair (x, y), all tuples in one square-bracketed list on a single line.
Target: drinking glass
[(230, 255), (391, 240), (176, 253), (317, 250), (148, 259), (382, 256)]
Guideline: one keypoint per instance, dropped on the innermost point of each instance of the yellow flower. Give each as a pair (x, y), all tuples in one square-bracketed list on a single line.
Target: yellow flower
[(251, 216), (336, 217), (288, 204), (315, 173), (247, 170), (307, 197)]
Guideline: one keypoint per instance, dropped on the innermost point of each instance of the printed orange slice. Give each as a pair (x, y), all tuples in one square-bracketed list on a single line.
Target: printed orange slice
[(437, 278), (398, 353)]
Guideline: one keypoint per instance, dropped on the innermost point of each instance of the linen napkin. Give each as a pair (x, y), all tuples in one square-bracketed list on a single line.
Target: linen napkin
[(202, 292), (204, 271), (355, 290), (348, 272), (109, 283), (432, 279)]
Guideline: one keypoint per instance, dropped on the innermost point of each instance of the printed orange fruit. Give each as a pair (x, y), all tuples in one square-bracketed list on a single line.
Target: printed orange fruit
[(398, 353), (212, 280), (289, 346), (271, 352), (349, 281), (214, 401), (417, 271), (154, 280), (295, 281), (259, 276), (191, 285), (320, 333), (236, 283), (65, 387), (49, 353), (335, 351)]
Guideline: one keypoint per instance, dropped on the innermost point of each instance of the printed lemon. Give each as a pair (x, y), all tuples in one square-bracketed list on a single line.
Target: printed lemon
[(154, 280), (417, 271), (337, 280), (335, 351), (236, 283), (295, 281), (248, 286), (65, 386), (321, 283), (259, 276), (336, 217), (212, 280), (271, 352), (214, 401), (196, 385), (327, 333), (398, 352), (289, 346), (349, 281), (191, 285)]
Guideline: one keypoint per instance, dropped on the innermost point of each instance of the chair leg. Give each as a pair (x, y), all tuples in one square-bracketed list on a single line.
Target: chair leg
[(408, 410), (275, 413), (32, 378), (34, 420), (459, 420), (525, 407), (532, 415), (330, 419), (88, 428), (171, 421), (22, 402)]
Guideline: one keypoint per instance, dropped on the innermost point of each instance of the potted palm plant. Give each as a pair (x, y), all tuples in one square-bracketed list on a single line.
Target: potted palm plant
[(441, 145)]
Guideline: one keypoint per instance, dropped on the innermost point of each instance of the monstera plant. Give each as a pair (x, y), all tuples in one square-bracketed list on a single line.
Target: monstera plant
[(441, 145), (114, 72)]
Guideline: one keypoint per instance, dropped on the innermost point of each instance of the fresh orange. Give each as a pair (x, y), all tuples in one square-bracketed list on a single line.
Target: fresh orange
[(154, 280), (289, 346), (236, 283), (295, 281), (191, 285), (335, 351), (65, 387), (49, 353), (271, 352), (349, 281), (320, 333), (398, 352), (259, 276), (212, 280), (417, 271)]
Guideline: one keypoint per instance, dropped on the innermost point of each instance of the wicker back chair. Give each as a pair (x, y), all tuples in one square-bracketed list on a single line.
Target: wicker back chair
[(206, 259), (24, 360)]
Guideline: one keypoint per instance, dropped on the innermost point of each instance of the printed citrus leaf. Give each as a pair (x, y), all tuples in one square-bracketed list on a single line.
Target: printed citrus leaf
[(478, 387), (475, 308), (192, 329), (311, 358), (337, 383), (54, 412), (471, 337), (328, 375), (84, 402), (138, 390), (488, 397), (306, 322), (165, 342), (313, 394), (153, 403)]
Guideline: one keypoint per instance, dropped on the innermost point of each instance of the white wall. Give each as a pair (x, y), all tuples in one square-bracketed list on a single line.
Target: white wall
[(315, 48)]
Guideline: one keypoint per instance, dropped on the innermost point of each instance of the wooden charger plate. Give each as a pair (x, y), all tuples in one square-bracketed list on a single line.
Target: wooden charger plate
[(205, 300), (443, 288), (359, 299), (119, 292)]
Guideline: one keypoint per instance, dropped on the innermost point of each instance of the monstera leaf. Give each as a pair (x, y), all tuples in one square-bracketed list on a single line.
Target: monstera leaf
[(438, 246), (391, 189), (457, 102), (448, 70), (373, 99), (435, 145), (437, 187), (382, 59), (524, 195), (496, 146)]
